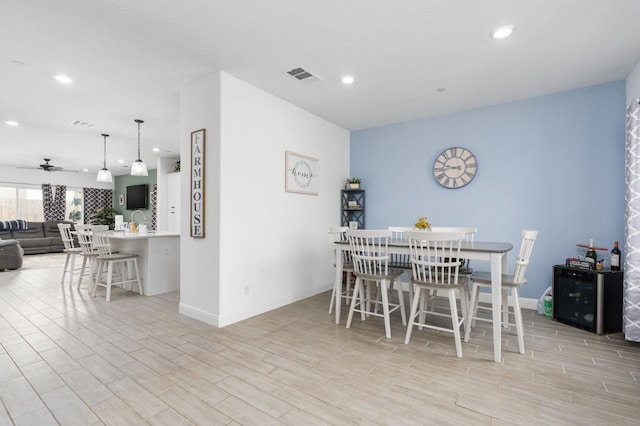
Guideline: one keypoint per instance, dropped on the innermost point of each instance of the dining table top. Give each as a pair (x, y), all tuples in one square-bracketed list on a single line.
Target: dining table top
[(471, 246)]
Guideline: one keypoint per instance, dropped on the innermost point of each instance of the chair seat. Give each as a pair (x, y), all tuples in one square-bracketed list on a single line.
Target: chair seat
[(484, 279), (390, 275), (461, 282), (118, 256), (73, 250)]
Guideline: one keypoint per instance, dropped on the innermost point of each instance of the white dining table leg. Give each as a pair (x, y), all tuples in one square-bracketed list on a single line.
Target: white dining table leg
[(337, 285), (498, 261)]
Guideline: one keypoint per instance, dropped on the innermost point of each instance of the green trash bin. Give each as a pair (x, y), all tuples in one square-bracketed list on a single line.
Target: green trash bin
[(548, 305)]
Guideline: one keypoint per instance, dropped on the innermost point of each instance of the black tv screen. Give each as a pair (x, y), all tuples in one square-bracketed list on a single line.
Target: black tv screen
[(138, 197)]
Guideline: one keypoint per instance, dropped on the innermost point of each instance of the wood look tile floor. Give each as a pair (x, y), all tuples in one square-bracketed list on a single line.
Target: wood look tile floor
[(67, 358)]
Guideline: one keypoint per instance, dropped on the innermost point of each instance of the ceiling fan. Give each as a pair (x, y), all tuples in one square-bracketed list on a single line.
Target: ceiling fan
[(48, 167)]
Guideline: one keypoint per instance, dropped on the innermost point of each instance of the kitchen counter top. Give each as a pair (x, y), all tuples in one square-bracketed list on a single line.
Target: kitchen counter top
[(137, 235)]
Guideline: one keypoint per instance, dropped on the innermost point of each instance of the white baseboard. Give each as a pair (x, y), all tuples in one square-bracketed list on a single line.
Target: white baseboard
[(232, 317), (198, 314), (525, 303), (217, 321)]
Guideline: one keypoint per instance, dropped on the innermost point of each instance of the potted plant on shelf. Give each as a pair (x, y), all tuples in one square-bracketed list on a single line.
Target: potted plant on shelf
[(354, 183)]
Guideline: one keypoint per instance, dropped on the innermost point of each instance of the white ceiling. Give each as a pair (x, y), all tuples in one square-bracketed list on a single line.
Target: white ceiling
[(129, 59)]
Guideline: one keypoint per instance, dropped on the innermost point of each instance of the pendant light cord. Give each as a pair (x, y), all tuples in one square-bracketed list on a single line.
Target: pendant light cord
[(138, 140), (104, 158), (139, 121)]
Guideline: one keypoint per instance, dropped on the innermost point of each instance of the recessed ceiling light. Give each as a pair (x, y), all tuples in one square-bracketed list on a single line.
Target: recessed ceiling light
[(64, 79), (85, 170), (120, 161), (11, 123), (348, 79), (155, 149), (502, 31)]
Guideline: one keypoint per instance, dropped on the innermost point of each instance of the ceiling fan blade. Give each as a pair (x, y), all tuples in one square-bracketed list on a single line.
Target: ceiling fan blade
[(49, 168), (61, 169)]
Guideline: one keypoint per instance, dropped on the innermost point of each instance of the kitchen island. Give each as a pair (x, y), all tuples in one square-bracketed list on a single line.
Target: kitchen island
[(158, 258)]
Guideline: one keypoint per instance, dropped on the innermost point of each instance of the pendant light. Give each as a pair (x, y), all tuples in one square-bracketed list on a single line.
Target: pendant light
[(104, 175), (138, 168)]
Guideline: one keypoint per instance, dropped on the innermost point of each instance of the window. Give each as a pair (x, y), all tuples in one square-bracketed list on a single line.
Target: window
[(7, 203), (74, 206), (29, 204), (26, 203)]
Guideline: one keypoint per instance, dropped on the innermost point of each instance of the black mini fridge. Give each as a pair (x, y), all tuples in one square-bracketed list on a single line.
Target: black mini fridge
[(588, 299)]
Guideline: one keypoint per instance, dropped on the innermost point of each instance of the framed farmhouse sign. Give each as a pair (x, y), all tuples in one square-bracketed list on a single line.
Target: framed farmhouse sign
[(197, 183), (300, 173)]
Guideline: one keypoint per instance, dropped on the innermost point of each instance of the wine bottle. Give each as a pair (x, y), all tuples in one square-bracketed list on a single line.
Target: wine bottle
[(615, 257), (591, 255)]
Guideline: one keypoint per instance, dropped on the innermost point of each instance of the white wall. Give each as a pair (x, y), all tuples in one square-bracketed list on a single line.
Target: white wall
[(273, 246), (633, 84), (200, 257)]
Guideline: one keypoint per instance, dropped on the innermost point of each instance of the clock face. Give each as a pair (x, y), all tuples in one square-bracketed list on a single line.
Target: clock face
[(455, 167)]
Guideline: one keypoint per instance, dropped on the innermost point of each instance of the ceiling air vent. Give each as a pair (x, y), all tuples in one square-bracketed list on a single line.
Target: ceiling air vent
[(81, 124), (302, 74)]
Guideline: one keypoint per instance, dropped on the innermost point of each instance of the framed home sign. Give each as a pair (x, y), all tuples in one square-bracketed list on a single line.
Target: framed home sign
[(300, 173), (197, 183)]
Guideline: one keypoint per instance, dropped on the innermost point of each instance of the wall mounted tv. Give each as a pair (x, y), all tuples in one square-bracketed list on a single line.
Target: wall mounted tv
[(138, 197)]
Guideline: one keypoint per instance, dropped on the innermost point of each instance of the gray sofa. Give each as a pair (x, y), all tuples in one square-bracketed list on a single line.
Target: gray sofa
[(39, 237), (10, 255)]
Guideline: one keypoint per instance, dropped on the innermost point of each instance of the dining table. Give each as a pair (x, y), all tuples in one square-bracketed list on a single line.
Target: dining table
[(493, 252)]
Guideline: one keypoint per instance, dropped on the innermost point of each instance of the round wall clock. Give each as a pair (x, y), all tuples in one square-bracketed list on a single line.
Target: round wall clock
[(455, 167)]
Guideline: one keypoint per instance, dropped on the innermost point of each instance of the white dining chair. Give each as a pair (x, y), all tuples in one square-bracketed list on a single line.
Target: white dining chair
[(465, 264), (401, 261), (435, 260), (469, 236), (339, 233), (106, 261), (369, 254), (70, 249), (510, 283), (89, 253)]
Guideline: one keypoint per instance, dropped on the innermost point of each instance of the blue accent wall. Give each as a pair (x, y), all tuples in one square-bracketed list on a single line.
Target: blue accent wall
[(552, 163)]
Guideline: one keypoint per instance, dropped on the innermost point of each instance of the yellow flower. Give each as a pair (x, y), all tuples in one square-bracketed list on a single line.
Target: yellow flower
[(422, 223)]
